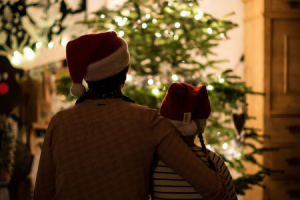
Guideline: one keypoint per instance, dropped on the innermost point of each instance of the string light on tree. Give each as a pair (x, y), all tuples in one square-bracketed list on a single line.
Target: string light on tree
[(210, 87), (190, 4), (168, 9), (121, 23), (221, 80), (209, 30), (183, 13), (150, 81), (177, 24), (125, 19), (102, 16), (16, 59), (199, 15), (144, 25), (117, 19), (148, 16), (29, 53), (128, 78), (174, 77), (224, 146), (154, 21), (50, 45), (64, 42), (157, 34), (222, 35), (121, 33), (38, 45), (155, 91), (62, 97)]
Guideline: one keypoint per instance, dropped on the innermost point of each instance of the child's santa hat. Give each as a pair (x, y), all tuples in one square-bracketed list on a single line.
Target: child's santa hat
[(95, 57), (184, 104)]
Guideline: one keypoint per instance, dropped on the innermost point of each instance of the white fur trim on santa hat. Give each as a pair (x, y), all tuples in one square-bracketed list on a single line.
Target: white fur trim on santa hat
[(191, 128), (77, 90), (110, 65)]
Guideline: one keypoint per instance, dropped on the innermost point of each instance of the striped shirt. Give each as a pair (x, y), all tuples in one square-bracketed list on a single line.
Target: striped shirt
[(166, 184)]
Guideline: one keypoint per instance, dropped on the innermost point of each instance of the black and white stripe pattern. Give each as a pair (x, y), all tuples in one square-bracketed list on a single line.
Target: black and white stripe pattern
[(166, 184)]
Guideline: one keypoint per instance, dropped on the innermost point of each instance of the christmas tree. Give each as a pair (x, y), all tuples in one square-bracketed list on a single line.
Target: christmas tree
[(173, 41)]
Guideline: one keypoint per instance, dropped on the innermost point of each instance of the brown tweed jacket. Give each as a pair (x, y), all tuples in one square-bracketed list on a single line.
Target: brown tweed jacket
[(103, 149)]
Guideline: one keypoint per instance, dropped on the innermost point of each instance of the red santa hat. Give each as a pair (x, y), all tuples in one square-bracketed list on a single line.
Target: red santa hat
[(95, 57), (184, 104)]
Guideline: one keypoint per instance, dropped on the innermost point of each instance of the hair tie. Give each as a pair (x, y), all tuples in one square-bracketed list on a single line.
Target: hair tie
[(207, 154)]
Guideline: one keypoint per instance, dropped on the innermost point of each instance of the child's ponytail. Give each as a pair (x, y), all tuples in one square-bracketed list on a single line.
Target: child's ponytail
[(211, 163)]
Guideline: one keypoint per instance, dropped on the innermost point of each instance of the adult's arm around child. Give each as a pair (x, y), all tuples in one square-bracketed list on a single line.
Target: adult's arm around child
[(176, 154)]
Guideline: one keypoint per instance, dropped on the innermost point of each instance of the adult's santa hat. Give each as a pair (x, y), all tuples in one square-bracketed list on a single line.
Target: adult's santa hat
[(184, 104), (94, 57)]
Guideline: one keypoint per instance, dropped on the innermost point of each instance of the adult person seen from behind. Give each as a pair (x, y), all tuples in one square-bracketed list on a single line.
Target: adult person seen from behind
[(103, 147)]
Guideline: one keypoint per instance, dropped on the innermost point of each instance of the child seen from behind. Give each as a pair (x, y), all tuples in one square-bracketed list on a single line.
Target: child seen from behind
[(188, 108)]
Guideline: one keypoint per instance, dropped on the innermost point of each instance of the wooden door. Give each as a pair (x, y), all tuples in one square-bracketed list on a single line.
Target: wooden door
[(285, 67)]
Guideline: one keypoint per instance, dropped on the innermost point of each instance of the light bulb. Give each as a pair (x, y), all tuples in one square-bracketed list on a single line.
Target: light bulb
[(222, 35), (209, 30), (175, 77), (200, 12), (150, 81), (199, 15), (144, 25), (121, 33), (128, 77), (50, 45), (168, 9), (125, 19), (190, 4), (176, 37), (210, 87), (177, 24), (121, 23), (102, 16), (16, 59), (155, 91), (221, 80), (224, 146), (38, 45), (154, 20), (157, 34), (208, 146), (117, 19), (183, 13), (148, 16), (62, 97), (64, 42), (29, 53)]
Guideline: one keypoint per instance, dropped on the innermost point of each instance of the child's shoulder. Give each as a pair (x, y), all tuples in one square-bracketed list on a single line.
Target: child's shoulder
[(212, 154)]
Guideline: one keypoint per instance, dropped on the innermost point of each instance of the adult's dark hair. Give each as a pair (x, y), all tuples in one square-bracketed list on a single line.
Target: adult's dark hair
[(211, 163), (116, 80)]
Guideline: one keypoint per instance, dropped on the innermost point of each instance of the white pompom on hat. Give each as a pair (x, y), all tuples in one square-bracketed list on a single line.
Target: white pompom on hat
[(95, 57)]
